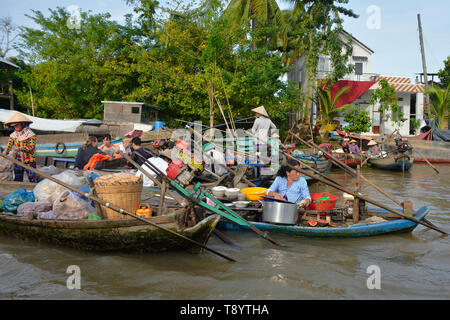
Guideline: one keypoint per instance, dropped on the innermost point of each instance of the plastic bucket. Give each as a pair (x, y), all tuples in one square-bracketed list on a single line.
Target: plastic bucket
[(158, 125), (319, 202)]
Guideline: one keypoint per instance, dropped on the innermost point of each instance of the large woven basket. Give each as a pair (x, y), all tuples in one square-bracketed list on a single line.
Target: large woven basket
[(121, 189)]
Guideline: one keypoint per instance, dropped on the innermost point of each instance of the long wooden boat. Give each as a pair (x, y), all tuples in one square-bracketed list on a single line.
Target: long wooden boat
[(127, 235), (352, 160), (393, 162), (354, 231), (63, 145)]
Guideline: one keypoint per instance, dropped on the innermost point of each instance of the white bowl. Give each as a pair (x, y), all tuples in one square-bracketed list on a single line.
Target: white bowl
[(219, 191), (241, 204), (232, 193)]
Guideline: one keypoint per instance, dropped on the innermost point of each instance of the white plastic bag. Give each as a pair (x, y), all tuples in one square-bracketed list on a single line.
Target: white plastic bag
[(69, 206), (6, 165), (48, 191)]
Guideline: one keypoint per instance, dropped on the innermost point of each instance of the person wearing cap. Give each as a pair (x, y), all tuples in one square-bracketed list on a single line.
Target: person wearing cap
[(23, 143), (139, 154), (353, 148), (261, 129), (374, 150)]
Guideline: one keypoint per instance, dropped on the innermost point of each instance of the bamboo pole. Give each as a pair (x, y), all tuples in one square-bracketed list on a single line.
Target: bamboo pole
[(420, 153), (112, 206)]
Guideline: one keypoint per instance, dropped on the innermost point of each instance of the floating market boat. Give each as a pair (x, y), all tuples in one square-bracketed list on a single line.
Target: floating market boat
[(392, 161), (361, 229), (110, 235)]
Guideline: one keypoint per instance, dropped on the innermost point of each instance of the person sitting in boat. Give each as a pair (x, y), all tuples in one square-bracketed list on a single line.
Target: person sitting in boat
[(125, 146), (108, 148), (345, 144), (374, 150), (139, 154), (23, 140), (353, 147), (86, 151), (288, 185)]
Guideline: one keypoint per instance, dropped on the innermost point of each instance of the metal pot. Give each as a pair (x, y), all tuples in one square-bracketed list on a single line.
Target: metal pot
[(280, 212)]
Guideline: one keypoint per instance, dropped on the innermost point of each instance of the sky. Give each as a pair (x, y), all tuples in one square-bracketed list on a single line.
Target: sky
[(388, 27)]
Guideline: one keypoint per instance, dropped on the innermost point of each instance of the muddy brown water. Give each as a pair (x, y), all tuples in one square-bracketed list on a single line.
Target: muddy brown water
[(412, 266)]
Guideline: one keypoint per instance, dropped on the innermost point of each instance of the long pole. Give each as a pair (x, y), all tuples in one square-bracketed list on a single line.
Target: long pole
[(111, 206), (422, 49), (367, 199)]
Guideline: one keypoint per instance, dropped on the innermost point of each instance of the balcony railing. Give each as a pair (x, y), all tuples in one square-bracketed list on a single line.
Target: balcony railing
[(351, 76)]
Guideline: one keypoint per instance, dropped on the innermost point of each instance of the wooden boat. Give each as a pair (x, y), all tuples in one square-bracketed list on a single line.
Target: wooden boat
[(352, 160), (109, 235), (63, 145), (365, 140), (392, 161), (353, 231)]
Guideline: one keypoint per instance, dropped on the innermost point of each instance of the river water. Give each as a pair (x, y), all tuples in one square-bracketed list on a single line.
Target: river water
[(412, 266)]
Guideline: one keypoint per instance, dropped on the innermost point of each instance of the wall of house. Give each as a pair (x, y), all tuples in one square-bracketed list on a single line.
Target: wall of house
[(121, 112)]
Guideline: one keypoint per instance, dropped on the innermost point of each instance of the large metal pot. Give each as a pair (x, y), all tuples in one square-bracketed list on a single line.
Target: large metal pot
[(280, 212)]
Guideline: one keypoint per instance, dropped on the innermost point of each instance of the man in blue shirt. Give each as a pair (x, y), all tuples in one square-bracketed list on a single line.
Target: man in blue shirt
[(289, 186)]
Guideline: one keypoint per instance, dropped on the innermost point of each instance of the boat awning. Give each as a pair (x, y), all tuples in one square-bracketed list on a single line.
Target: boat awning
[(45, 124), (401, 84), (357, 89)]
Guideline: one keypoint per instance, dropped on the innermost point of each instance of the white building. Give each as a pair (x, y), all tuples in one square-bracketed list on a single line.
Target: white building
[(362, 81)]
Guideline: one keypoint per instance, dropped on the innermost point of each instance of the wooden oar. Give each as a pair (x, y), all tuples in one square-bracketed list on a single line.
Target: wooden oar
[(367, 200), (426, 160), (112, 206)]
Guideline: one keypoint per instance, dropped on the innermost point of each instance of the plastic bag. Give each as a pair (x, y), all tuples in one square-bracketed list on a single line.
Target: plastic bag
[(48, 191), (69, 206), (6, 176), (6, 165), (27, 208), (13, 200), (47, 215)]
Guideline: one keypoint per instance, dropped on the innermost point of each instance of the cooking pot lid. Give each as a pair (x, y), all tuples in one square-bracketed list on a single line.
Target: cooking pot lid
[(270, 199)]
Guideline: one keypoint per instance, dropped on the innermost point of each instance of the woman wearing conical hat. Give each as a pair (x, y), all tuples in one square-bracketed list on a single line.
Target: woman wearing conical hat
[(23, 143), (374, 150), (262, 130)]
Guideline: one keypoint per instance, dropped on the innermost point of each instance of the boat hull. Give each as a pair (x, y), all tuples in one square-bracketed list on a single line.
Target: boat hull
[(354, 231), (399, 163), (127, 235)]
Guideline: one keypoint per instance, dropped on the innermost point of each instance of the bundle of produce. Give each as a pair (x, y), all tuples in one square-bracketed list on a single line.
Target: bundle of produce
[(69, 206), (13, 200), (48, 191), (31, 209)]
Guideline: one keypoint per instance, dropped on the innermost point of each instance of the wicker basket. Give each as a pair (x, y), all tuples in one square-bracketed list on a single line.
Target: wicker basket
[(122, 190)]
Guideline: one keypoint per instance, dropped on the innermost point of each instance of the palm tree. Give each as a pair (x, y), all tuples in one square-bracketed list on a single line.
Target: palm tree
[(439, 104), (254, 13), (327, 104)]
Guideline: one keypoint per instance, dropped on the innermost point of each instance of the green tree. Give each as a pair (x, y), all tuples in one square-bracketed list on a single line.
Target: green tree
[(386, 97), (325, 36), (327, 104), (74, 69), (256, 14), (439, 105), (359, 121), (444, 74)]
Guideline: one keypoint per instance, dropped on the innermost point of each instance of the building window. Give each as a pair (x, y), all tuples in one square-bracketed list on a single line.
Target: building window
[(135, 110), (358, 68), (324, 64)]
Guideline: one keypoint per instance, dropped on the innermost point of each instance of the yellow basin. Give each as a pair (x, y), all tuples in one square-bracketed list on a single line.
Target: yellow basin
[(254, 193)]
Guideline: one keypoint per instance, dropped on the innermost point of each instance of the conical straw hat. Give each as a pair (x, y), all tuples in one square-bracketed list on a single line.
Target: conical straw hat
[(372, 143), (18, 117), (352, 141), (261, 110)]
